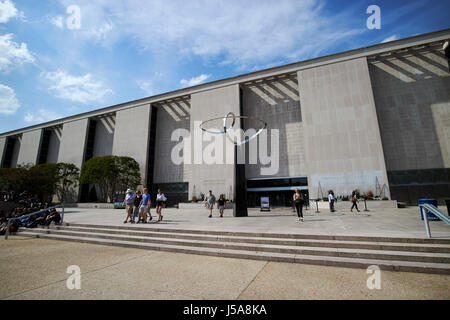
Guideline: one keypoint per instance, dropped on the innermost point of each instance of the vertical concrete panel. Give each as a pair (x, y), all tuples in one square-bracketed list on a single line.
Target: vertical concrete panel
[(54, 144), (131, 135), (2, 150), (15, 155), (412, 97), (204, 106), (278, 103), (29, 148), (73, 142), (171, 116), (339, 109), (104, 136)]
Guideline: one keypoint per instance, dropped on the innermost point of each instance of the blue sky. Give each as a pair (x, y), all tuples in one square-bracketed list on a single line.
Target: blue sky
[(127, 50)]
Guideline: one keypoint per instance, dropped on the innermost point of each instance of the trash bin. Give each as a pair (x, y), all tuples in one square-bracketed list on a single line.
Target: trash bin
[(433, 202)]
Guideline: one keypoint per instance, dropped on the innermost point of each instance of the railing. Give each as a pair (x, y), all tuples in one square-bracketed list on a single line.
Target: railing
[(426, 208), (32, 214)]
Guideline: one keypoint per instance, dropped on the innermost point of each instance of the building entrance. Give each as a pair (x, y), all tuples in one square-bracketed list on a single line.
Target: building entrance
[(279, 190)]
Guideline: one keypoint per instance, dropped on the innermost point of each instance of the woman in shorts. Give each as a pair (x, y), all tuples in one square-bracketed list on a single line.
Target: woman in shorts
[(221, 204), (160, 203)]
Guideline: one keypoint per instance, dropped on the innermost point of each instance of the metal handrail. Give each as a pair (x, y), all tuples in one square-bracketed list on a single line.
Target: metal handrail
[(438, 213), (32, 214)]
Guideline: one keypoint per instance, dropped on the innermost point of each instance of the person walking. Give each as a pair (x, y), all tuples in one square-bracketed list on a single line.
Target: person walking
[(354, 200), (221, 204), (210, 201), (137, 202), (299, 200), (331, 200), (144, 208), (160, 202), (129, 204)]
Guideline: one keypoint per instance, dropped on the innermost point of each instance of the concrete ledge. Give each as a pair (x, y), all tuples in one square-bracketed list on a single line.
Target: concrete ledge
[(90, 205), (200, 205), (371, 204)]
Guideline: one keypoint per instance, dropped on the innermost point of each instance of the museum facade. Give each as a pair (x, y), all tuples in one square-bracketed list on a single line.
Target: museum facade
[(375, 118)]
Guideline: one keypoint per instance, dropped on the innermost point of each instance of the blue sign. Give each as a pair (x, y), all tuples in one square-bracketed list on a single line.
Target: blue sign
[(265, 205)]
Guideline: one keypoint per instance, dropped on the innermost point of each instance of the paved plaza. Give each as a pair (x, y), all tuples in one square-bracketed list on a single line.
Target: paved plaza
[(404, 222), (36, 269), (33, 268)]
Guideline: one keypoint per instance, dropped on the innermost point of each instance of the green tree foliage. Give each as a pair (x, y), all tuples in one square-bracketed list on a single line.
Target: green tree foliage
[(44, 180), (68, 176), (111, 173), (13, 179)]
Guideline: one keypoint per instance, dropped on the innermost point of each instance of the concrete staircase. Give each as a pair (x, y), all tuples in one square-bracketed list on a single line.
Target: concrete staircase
[(394, 254)]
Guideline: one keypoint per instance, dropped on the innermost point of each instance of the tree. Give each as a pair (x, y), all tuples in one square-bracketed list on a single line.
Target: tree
[(42, 180), (130, 175), (13, 179), (67, 179), (110, 173)]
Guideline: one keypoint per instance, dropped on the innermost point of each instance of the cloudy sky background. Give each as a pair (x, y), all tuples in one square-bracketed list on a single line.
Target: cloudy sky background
[(127, 50)]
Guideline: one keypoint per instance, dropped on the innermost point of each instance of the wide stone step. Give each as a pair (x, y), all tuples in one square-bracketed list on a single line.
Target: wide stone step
[(413, 247), (391, 265), (294, 249), (155, 228)]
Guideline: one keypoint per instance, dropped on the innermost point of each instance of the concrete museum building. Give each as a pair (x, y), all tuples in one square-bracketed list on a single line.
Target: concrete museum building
[(375, 118)]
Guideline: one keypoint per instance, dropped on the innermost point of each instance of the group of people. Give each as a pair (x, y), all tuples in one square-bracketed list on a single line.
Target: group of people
[(210, 201), (299, 201), (139, 206), (18, 209), (353, 199)]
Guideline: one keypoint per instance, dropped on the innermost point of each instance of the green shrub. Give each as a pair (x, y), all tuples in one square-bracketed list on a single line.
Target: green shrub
[(111, 173)]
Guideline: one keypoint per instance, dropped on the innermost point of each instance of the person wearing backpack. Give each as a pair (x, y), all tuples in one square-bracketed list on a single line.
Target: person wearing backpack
[(354, 200), (299, 200)]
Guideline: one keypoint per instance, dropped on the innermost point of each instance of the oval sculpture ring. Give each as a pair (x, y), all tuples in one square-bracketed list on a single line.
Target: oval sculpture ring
[(225, 129)]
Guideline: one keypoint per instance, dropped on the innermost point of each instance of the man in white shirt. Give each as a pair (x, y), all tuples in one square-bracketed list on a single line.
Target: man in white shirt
[(331, 200)]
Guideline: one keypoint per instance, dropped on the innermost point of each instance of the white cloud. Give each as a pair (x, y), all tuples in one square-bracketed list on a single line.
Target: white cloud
[(101, 32), (194, 81), (246, 33), (8, 101), (82, 89), (57, 21), (8, 11), (391, 38), (147, 86), (12, 54), (42, 115)]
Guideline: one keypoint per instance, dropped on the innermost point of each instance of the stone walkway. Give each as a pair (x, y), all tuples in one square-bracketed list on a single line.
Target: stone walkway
[(33, 268)]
